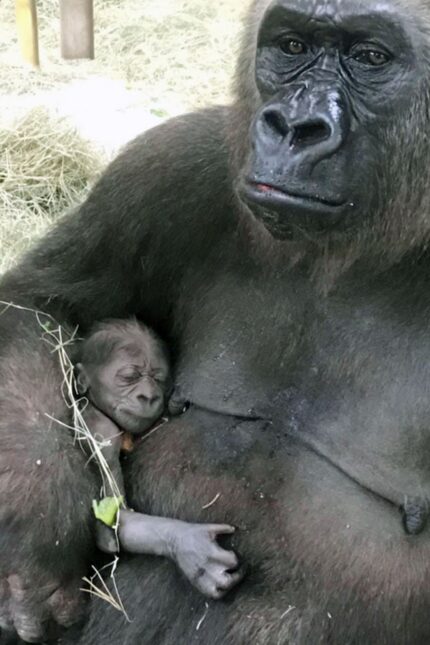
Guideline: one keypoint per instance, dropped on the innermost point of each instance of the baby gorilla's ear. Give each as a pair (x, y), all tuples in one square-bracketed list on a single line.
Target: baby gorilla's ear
[(81, 379)]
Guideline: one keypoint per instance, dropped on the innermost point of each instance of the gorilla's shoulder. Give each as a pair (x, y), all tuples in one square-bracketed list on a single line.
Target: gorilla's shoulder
[(165, 198), (178, 155), (191, 134), (174, 172)]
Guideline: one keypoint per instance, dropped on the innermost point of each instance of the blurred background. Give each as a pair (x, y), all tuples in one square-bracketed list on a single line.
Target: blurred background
[(61, 123)]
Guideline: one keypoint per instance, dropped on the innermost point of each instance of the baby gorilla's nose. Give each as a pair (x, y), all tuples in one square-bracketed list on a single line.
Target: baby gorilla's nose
[(149, 401)]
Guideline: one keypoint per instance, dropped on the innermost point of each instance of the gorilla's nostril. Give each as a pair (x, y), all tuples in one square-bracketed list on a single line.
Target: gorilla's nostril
[(276, 122), (155, 400), (310, 133)]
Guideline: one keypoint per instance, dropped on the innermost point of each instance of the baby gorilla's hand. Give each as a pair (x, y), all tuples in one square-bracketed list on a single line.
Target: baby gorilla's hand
[(210, 568), (193, 547), (106, 538)]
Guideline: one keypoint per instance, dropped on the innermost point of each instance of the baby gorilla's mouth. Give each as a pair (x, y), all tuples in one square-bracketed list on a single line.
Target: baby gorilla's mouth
[(133, 422)]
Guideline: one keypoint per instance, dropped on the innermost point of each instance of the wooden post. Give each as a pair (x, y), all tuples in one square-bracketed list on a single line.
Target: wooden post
[(77, 28), (26, 22)]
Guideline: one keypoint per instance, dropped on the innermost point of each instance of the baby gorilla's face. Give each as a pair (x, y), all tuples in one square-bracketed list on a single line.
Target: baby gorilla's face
[(131, 387)]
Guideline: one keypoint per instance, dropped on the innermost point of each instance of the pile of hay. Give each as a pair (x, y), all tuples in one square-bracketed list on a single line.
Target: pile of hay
[(176, 52), (45, 167), (169, 56)]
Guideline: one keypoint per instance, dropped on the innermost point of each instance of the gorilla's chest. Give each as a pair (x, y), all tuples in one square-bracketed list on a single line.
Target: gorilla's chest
[(244, 341), (239, 342), (350, 373)]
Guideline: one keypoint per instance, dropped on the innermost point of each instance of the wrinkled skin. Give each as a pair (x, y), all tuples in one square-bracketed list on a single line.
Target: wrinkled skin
[(280, 246), (131, 383)]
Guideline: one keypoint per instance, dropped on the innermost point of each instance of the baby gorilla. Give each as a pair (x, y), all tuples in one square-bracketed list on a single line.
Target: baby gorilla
[(124, 373)]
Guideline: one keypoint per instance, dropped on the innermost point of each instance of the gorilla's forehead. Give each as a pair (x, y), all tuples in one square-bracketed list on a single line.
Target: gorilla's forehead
[(404, 21), (337, 11)]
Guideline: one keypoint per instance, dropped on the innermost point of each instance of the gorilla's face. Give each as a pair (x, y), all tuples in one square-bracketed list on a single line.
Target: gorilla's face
[(335, 78)]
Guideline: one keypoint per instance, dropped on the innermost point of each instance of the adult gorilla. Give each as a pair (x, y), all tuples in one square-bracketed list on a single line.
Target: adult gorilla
[(281, 247)]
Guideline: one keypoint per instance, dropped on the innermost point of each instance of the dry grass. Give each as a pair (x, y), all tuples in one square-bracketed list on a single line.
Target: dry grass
[(45, 167), (154, 59), (173, 51)]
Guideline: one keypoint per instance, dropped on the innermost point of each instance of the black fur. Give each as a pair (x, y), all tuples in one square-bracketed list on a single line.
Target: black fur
[(306, 359)]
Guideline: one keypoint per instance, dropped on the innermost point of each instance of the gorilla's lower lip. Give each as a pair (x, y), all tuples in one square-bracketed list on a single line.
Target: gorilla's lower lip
[(133, 421), (269, 195)]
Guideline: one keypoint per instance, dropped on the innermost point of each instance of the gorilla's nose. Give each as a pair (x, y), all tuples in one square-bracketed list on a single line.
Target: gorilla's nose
[(150, 401), (301, 133), (306, 131)]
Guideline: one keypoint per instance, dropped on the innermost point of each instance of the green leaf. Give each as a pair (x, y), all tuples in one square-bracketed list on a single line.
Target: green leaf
[(107, 509)]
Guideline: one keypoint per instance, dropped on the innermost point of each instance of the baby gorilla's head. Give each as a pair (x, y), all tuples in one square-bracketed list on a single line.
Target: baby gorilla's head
[(124, 372)]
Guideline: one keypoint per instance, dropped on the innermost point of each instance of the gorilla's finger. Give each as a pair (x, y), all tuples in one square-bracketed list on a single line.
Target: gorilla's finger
[(220, 529), (106, 538), (227, 558), (30, 626), (229, 580), (22, 591), (216, 581), (29, 611), (68, 605), (206, 585)]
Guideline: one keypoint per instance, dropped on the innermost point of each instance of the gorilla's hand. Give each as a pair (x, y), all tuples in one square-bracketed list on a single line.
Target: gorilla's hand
[(210, 568), (37, 609)]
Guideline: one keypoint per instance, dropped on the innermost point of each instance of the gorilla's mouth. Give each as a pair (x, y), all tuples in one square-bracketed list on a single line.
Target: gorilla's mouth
[(286, 214), (133, 422), (280, 198)]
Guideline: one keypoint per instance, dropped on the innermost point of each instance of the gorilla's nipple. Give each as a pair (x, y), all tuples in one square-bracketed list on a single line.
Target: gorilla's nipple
[(415, 513)]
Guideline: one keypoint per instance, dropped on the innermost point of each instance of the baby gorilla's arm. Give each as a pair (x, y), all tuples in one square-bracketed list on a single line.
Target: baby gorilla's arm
[(193, 547), (110, 438)]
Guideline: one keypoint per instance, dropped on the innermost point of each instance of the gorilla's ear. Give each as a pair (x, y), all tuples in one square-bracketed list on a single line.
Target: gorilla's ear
[(81, 379)]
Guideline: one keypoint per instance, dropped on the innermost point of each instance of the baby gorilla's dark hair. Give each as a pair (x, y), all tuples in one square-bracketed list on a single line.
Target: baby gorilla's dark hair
[(111, 335)]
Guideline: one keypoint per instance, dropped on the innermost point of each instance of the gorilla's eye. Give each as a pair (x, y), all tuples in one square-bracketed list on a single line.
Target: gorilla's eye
[(293, 47), (372, 57), (129, 375)]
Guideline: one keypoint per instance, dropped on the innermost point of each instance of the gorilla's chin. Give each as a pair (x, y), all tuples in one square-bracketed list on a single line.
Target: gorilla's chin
[(294, 224), (134, 423)]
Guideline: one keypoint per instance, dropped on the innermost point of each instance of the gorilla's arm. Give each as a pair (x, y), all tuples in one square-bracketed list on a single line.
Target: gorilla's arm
[(108, 258), (193, 548), (123, 251), (45, 488)]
